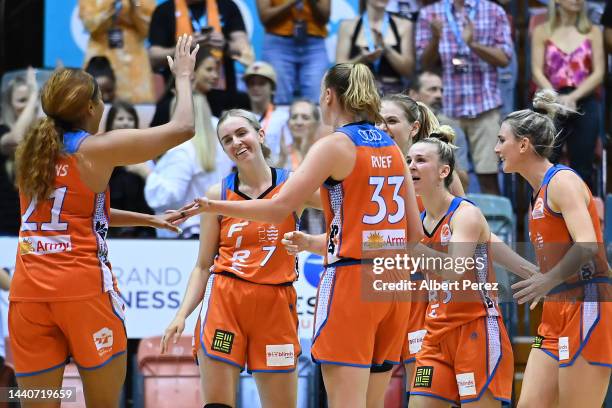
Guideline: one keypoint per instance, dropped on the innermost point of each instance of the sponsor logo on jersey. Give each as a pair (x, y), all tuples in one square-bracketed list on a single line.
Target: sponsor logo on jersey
[(383, 239), (370, 135), (445, 234), (268, 233), (223, 341), (538, 209), (103, 339), (38, 245), (423, 376), (280, 355)]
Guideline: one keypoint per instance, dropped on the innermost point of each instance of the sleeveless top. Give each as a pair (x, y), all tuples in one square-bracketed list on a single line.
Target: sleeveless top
[(568, 69), (365, 212), (252, 250), (454, 307), (62, 252), (384, 69)]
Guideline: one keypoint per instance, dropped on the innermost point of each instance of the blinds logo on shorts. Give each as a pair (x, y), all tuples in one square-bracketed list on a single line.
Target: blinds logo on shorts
[(466, 384), (423, 376), (103, 339), (223, 341), (279, 355)]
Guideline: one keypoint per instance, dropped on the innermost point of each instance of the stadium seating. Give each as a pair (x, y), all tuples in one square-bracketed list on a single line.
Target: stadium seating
[(171, 380)]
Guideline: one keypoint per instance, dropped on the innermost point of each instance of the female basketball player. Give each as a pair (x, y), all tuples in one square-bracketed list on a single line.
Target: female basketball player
[(64, 300), (244, 279), (569, 364), (364, 180), (466, 356)]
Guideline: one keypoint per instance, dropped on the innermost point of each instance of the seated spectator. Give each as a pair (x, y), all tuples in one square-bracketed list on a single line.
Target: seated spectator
[(426, 87), (188, 170), (294, 44), (567, 55), (303, 123), (260, 80), (127, 183), (202, 19), (469, 39), (380, 40), (19, 107), (100, 68), (118, 29)]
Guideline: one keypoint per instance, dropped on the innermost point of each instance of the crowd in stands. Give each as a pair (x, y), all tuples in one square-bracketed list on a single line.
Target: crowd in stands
[(456, 56)]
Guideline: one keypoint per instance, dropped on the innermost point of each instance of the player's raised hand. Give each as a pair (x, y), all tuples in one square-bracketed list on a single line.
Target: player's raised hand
[(184, 58)]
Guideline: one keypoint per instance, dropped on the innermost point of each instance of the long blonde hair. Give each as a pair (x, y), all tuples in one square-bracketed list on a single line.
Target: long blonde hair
[(354, 84), (583, 23), (204, 141)]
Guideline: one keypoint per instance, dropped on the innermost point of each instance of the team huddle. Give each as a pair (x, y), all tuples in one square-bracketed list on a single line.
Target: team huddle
[(371, 177)]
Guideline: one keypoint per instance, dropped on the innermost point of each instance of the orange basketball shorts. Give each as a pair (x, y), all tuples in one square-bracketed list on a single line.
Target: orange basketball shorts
[(44, 335), (248, 323), (354, 331), (570, 329), (469, 360)]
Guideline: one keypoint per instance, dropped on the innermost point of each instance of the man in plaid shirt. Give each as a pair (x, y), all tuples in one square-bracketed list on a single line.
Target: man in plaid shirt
[(469, 39)]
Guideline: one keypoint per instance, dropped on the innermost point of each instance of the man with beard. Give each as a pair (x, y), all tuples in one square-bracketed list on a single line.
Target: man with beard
[(426, 87)]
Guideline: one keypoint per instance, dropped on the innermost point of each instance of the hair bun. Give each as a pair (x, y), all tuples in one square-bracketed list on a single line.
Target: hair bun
[(545, 101), (444, 133)]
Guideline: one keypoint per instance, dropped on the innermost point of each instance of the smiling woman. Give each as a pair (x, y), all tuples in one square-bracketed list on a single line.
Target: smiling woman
[(187, 171)]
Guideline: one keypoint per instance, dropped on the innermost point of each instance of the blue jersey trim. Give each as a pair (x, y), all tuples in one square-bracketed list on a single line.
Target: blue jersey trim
[(73, 140), (365, 134), (103, 364), (31, 373)]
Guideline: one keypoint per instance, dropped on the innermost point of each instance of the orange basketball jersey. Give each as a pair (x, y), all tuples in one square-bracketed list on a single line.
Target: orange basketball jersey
[(451, 308), (62, 253), (365, 212), (252, 250), (551, 238)]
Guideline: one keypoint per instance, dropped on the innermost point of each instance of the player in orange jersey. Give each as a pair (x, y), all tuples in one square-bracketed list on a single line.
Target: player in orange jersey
[(63, 299), (244, 280), (569, 364), (466, 356), (365, 189)]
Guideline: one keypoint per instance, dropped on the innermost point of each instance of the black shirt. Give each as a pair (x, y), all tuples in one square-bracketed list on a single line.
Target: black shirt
[(162, 31), (9, 204)]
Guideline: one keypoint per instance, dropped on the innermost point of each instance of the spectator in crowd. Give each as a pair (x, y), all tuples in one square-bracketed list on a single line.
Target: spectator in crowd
[(470, 39), (188, 170), (380, 40), (19, 107), (294, 44), (127, 183), (118, 29), (427, 87), (260, 80), (202, 19), (567, 55), (207, 70), (100, 68), (304, 121), (606, 21)]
